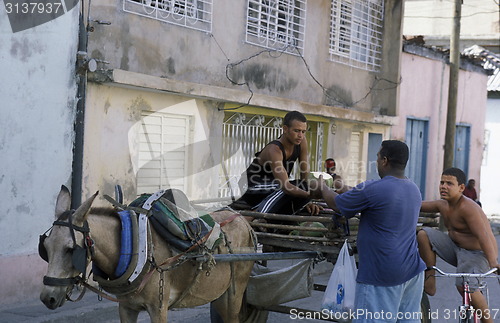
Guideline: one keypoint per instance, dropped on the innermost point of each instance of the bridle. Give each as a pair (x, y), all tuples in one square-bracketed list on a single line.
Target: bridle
[(80, 258), (80, 255)]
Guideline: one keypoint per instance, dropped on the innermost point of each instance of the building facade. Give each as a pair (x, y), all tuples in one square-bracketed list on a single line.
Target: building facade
[(422, 118), (327, 59)]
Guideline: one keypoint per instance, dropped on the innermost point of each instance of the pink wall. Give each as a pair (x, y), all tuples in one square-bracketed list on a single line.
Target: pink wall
[(21, 277), (424, 95)]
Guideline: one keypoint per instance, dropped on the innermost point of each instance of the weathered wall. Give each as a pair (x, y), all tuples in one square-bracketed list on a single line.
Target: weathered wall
[(37, 103), (147, 46), (111, 149), (427, 97)]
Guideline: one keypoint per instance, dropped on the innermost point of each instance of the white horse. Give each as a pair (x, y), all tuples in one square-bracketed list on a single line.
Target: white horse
[(224, 284)]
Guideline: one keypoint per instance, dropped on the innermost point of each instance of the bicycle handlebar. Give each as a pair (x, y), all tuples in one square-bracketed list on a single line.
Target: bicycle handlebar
[(464, 275)]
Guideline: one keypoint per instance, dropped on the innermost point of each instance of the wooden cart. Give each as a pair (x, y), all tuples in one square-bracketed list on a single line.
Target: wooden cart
[(299, 236)]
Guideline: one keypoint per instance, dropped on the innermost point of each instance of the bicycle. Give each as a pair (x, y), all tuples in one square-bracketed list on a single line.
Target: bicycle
[(466, 312)]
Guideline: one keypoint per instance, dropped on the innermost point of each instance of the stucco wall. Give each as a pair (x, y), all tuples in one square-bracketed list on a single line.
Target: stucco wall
[(151, 47), (37, 102), (426, 98), (114, 116), (488, 188)]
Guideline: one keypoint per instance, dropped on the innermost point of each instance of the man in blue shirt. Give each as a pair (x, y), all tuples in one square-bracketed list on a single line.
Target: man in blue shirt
[(390, 276)]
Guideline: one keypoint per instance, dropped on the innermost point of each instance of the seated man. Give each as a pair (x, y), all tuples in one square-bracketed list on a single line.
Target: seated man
[(469, 245), (269, 189)]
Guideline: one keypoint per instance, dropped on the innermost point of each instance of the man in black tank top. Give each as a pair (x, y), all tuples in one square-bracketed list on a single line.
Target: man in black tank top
[(266, 181)]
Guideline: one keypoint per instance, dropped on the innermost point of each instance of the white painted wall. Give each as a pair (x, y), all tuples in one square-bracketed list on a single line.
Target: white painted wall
[(37, 103), (490, 176)]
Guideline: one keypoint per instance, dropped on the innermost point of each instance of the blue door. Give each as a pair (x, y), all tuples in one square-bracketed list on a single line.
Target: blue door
[(462, 148), (416, 139), (374, 143)]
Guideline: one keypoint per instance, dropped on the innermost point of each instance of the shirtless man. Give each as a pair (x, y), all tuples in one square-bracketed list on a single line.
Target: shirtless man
[(469, 245)]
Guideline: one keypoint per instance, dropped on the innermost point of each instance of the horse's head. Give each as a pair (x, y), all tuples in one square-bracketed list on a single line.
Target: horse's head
[(66, 249)]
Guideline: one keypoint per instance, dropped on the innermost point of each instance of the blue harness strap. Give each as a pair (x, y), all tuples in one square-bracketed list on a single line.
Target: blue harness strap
[(126, 243)]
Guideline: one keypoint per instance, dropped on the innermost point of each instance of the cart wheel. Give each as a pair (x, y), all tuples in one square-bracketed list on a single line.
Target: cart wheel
[(214, 315), (425, 308)]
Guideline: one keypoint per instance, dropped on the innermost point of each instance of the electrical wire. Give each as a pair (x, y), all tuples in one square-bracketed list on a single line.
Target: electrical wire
[(230, 66), (329, 93), (215, 39), (325, 90), (462, 16)]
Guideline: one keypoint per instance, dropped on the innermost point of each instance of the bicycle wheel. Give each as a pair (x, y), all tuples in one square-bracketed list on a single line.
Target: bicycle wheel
[(466, 316), (425, 309)]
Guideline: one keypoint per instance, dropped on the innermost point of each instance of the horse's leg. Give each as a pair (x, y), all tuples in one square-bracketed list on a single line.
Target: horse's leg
[(228, 306), (156, 304), (158, 314), (127, 314)]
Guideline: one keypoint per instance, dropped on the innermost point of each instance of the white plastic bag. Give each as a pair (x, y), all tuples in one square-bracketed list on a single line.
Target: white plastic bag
[(339, 294)]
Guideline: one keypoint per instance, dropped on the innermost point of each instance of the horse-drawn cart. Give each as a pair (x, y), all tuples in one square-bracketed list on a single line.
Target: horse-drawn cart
[(320, 236), (145, 272)]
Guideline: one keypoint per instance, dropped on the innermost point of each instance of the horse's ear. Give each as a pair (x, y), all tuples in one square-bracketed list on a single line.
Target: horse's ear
[(63, 201), (83, 210)]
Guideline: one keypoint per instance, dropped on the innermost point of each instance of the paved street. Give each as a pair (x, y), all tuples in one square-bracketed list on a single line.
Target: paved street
[(443, 306), (91, 310)]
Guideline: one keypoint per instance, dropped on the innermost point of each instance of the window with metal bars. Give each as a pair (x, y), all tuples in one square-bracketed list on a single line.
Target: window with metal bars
[(195, 14), (276, 24), (356, 33)]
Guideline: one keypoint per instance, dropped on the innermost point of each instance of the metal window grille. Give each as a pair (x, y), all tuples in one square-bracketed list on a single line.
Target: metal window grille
[(356, 33), (195, 14), (276, 24), (244, 135)]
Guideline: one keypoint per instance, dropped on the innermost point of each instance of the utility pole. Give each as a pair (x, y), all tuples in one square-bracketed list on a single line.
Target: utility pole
[(451, 118), (77, 166)]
